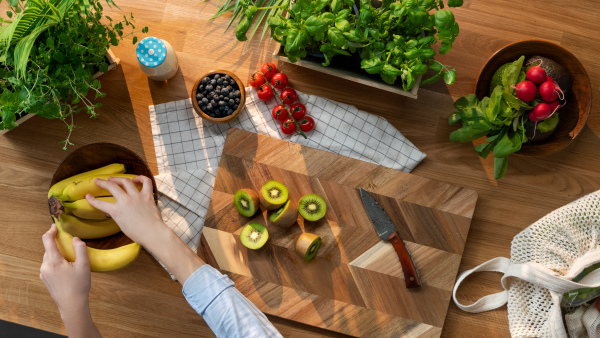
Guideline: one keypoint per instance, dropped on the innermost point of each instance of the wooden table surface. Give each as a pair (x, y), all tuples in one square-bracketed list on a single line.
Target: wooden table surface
[(142, 299)]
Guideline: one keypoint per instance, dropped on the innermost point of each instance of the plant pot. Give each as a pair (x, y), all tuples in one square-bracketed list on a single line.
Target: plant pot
[(113, 62)]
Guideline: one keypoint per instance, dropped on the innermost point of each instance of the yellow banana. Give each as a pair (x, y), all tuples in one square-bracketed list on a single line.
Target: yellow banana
[(58, 188), (88, 229), (100, 260), (82, 209), (86, 185)]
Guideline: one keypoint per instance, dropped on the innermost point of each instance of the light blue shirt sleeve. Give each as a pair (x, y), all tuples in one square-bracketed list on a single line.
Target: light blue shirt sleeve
[(226, 311)]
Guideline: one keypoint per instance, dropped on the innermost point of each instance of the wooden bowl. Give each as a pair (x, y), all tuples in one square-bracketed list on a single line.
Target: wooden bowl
[(573, 115), (96, 155), (221, 119)]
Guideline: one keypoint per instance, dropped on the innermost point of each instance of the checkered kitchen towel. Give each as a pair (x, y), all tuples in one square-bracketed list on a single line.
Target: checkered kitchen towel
[(188, 149)]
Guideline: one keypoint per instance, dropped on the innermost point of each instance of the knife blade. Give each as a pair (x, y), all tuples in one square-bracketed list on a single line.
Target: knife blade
[(387, 232)]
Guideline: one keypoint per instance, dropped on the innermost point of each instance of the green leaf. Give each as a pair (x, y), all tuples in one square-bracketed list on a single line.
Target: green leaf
[(454, 118), (315, 25), (388, 78), (321, 4), (305, 3), (466, 134), (432, 79), (548, 124), (507, 145), (444, 19), (295, 41), (500, 165), (135, 40), (372, 66), (455, 3), (445, 47), (436, 66), (342, 15), (391, 70), (450, 76), (511, 74), (514, 102), (9, 14), (343, 25), (145, 30), (241, 29), (336, 37)]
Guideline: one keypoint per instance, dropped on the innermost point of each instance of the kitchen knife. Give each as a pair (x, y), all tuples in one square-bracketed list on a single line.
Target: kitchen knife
[(387, 232)]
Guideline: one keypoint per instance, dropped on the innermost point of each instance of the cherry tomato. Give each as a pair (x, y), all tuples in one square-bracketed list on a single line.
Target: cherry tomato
[(265, 92), (257, 80), (307, 123), (280, 113), (279, 80), (288, 126), (298, 111), (269, 70), (288, 96)]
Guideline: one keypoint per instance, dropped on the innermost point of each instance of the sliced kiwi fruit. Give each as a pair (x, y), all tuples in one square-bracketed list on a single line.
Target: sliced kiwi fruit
[(246, 202), (307, 245), (254, 236), (273, 195), (285, 216), (312, 207)]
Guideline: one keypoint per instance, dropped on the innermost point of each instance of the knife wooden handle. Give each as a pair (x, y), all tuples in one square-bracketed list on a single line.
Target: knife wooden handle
[(411, 276)]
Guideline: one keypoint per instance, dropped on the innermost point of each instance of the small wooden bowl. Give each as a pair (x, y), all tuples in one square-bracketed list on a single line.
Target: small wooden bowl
[(573, 116), (221, 119), (96, 155)]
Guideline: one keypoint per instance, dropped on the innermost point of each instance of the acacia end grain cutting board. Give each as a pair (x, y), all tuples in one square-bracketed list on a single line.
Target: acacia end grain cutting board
[(355, 284)]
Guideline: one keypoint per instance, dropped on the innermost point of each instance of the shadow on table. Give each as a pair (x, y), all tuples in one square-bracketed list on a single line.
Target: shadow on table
[(173, 89)]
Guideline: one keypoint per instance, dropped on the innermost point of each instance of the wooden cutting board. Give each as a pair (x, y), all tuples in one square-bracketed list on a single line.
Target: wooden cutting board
[(355, 285)]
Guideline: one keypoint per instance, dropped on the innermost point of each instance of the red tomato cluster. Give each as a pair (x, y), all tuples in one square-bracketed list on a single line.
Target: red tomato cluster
[(288, 96)]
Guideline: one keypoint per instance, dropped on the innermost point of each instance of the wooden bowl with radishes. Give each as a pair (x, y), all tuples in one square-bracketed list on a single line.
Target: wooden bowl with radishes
[(577, 99)]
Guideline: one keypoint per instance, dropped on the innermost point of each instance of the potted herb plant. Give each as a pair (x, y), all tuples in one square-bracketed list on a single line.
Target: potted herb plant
[(49, 54), (398, 39)]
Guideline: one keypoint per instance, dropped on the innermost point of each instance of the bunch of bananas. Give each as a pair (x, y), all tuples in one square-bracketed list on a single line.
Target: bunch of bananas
[(74, 216)]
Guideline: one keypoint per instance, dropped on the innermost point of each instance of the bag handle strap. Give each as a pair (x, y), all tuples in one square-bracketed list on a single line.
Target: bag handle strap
[(489, 302), (542, 276)]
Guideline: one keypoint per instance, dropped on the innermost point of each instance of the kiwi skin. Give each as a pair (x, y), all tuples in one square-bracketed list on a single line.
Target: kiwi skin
[(255, 200), (270, 205), (303, 244), (288, 216)]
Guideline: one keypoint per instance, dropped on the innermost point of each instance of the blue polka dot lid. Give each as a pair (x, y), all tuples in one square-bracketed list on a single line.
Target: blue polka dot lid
[(151, 51)]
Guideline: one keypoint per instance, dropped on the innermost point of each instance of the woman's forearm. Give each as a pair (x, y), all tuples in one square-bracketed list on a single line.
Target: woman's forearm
[(78, 321), (177, 257)]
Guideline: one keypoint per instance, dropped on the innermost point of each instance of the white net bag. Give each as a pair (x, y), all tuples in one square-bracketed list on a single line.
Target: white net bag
[(545, 258)]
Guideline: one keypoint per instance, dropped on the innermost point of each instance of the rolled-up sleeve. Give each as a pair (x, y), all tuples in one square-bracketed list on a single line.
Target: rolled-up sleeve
[(226, 311)]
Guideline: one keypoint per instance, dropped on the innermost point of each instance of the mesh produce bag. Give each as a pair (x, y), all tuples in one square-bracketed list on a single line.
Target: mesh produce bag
[(545, 258)]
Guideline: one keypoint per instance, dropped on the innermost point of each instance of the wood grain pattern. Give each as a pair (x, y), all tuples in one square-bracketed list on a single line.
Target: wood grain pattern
[(352, 267), (120, 301)]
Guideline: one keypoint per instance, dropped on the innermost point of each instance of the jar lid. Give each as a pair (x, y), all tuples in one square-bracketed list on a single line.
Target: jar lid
[(151, 51)]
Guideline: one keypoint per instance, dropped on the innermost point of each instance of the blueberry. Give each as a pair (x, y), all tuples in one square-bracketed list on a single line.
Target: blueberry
[(205, 80), (221, 97), (210, 95), (213, 82), (205, 100), (200, 88), (209, 87), (237, 100), (199, 103), (221, 103), (208, 106), (231, 96), (220, 81), (226, 77), (199, 96), (225, 91), (214, 103), (217, 76), (219, 87), (229, 111), (231, 102), (225, 83), (202, 107), (237, 93), (235, 107)]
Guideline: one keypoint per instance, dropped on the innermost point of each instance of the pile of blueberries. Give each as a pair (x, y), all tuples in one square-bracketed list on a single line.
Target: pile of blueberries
[(218, 95)]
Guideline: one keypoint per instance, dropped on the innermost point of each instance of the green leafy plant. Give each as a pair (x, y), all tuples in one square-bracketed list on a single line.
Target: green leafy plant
[(315, 26), (49, 52), (398, 39), (500, 117)]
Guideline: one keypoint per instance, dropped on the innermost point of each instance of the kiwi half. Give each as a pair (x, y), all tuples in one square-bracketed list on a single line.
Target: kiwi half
[(307, 245), (273, 195), (254, 236), (312, 207), (246, 202), (285, 216)]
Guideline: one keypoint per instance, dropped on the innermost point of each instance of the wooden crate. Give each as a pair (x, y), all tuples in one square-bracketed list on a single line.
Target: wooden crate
[(348, 68)]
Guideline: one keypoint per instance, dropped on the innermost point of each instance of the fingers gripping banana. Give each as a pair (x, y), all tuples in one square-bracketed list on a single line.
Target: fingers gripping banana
[(82, 209), (100, 260), (88, 229), (111, 169), (86, 185)]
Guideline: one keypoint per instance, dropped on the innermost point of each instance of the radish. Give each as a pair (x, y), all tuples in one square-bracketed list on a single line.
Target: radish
[(549, 91), (548, 78), (554, 105), (526, 90), (540, 112), (536, 74)]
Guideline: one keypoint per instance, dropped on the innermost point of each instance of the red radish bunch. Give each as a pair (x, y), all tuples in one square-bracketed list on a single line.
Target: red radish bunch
[(267, 80), (526, 90)]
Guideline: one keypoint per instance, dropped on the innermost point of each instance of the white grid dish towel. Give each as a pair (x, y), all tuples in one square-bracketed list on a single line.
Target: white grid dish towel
[(188, 149)]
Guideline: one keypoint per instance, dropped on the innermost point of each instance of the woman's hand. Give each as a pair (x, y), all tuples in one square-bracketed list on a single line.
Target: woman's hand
[(69, 284), (134, 211)]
